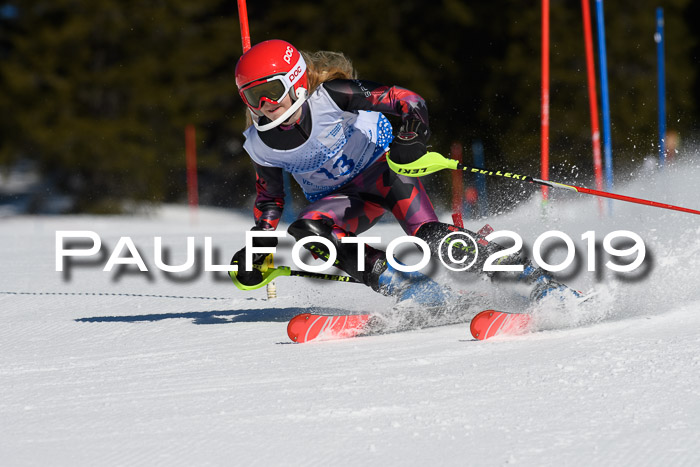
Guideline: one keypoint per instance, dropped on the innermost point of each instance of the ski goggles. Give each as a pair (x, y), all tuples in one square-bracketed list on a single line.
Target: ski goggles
[(273, 88)]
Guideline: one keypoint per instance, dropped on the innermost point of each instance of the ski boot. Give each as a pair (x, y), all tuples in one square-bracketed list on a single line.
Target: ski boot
[(388, 281), (545, 286)]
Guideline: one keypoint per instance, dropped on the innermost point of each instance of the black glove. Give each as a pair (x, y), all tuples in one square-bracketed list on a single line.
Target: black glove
[(410, 144), (255, 276)]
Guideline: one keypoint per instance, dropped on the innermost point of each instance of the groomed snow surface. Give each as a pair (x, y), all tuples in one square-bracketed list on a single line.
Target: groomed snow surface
[(101, 368)]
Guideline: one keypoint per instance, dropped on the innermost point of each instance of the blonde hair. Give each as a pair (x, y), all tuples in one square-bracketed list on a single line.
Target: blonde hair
[(325, 66)]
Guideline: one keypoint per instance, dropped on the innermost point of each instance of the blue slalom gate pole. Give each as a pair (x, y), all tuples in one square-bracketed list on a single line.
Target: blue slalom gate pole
[(605, 96), (659, 38)]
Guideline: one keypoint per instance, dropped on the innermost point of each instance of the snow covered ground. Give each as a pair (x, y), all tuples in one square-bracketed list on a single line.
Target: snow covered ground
[(138, 369)]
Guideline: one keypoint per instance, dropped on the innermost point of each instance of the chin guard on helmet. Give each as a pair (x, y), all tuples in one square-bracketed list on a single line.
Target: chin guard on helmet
[(301, 98)]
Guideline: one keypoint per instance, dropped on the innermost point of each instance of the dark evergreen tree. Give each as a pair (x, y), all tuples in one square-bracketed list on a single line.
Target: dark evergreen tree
[(99, 91)]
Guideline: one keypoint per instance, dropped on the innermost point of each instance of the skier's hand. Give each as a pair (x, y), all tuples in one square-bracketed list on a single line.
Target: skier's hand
[(410, 144), (255, 276)]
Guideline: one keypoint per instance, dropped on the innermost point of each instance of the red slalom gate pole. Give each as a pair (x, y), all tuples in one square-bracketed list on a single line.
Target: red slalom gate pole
[(592, 100), (545, 98), (245, 41), (457, 187), (243, 20), (191, 155)]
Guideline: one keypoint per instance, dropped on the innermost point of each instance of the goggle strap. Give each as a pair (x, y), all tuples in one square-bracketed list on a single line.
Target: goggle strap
[(300, 63)]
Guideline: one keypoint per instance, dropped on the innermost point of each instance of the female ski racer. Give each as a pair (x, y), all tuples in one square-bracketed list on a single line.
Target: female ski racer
[(314, 119)]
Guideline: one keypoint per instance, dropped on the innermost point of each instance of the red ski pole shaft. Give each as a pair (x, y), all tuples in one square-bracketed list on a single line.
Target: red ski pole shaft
[(629, 199), (604, 194)]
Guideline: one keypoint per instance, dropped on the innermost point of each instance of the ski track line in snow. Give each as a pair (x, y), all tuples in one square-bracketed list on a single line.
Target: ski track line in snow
[(114, 294)]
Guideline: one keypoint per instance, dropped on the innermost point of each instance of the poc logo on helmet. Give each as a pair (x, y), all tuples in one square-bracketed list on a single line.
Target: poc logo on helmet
[(288, 55), (294, 74)]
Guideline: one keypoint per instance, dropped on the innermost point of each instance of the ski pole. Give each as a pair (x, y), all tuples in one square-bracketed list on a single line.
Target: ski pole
[(432, 162), (270, 274)]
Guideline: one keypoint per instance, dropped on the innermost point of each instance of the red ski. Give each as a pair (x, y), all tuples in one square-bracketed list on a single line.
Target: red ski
[(308, 326), (490, 323)]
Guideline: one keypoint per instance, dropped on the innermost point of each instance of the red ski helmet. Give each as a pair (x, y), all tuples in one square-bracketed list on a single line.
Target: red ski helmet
[(268, 71)]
